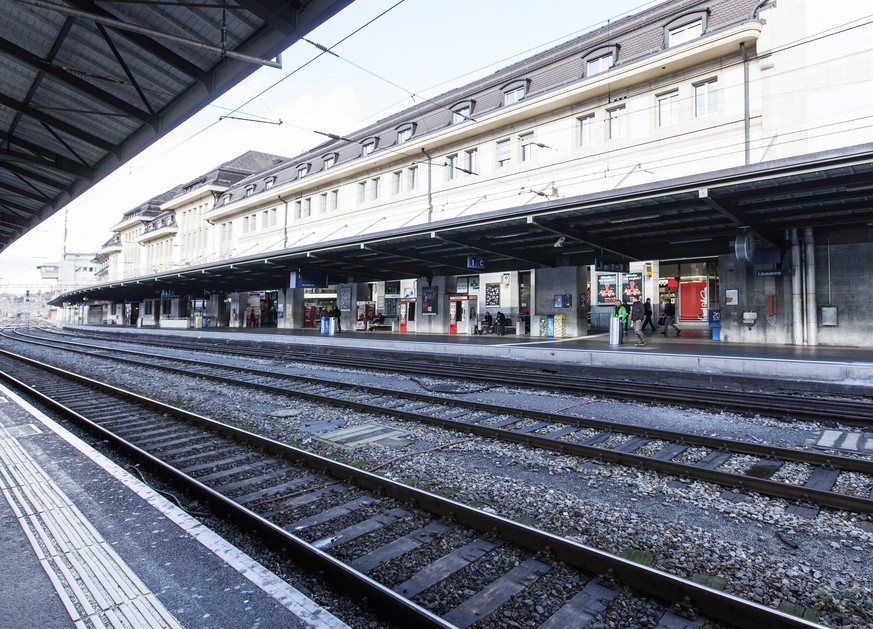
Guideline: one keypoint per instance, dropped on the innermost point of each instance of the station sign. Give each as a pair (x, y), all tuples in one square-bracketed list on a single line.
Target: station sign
[(477, 262), (307, 280), (774, 273), (614, 266)]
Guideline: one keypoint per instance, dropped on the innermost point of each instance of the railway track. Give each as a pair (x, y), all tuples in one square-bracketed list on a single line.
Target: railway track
[(736, 465), (824, 408), (416, 557)]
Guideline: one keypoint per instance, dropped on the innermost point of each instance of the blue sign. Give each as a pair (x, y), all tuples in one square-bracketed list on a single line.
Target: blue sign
[(476, 262)]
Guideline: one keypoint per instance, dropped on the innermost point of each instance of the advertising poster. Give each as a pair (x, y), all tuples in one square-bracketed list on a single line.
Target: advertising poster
[(632, 286), (606, 289), (428, 301)]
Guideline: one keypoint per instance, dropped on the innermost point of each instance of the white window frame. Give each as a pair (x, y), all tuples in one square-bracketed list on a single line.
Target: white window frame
[(685, 33), (514, 95), (398, 181), (503, 153), (526, 147), (705, 98), (452, 167), (472, 160), (329, 161), (586, 129), (599, 64), (302, 171), (615, 122), (404, 135), (334, 200), (668, 108), (375, 188), (462, 114), (412, 178), (362, 192)]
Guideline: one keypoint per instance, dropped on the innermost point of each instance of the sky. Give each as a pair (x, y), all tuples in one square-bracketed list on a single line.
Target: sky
[(409, 50)]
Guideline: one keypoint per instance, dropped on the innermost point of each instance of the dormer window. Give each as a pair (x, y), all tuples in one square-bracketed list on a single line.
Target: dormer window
[(514, 94), (329, 160), (226, 199), (600, 59), (404, 132), (268, 183), (601, 64), (303, 170), (250, 190), (370, 145), (685, 28), (462, 112)]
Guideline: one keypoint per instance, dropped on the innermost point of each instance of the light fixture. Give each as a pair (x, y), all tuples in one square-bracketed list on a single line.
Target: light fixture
[(559, 242)]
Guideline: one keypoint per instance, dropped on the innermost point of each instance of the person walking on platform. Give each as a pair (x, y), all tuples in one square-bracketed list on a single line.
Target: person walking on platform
[(500, 324), (624, 321), (647, 308), (669, 315), (637, 314)]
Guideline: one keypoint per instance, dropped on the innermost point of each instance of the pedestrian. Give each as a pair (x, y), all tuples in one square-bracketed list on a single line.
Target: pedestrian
[(624, 320), (669, 315), (637, 314), (647, 307), (335, 314), (500, 324), (619, 310)]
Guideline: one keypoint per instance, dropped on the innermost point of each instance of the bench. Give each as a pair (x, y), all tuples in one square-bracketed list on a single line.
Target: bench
[(376, 327)]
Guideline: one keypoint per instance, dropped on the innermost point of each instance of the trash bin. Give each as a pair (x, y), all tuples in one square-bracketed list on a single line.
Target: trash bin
[(325, 325), (332, 326), (616, 331)]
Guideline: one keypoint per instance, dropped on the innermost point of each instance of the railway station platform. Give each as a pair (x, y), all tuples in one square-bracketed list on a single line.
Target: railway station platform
[(692, 353), (86, 544)]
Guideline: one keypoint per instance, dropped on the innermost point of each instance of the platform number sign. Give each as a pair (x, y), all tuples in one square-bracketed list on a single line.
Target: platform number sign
[(476, 262)]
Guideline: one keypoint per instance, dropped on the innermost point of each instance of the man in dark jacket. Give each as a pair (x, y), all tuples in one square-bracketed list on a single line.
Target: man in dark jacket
[(669, 314), (637, 314), (647, 307)]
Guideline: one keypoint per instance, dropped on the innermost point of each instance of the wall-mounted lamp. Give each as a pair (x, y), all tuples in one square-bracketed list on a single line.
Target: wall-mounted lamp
[(750, 318), (559, 242)]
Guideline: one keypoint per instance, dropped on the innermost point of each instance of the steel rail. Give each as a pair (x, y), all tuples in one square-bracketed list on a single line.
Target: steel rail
[(710, 602), (728, 479)]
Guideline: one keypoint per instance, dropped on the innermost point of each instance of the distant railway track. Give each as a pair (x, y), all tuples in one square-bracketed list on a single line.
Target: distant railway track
[(737, 465), (823, 408), (351, 524)]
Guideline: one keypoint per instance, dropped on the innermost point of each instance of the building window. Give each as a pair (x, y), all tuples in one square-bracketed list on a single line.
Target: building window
[(600, 64), (705, 98), (615, 123), (472, 163), (302, 170), (398, 181), (586, 130), (298, 210), (375, 188), (452, 167), (370, 145), (329, 160), (513, 96), (460, 115), (362, 191), (412, 178), (504, 157), (250, 190), (334, 199), (684, 33), (268, 183), (668, 108), (526, 146), (322, 205), (405, 132), (273, 217), (307, 207)]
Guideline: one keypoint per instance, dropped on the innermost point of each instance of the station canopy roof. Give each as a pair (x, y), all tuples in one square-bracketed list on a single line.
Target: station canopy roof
[(694, 217), (87, 84)]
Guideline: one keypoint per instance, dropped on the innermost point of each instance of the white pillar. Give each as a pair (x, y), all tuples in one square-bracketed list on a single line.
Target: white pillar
[(811, 305)]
